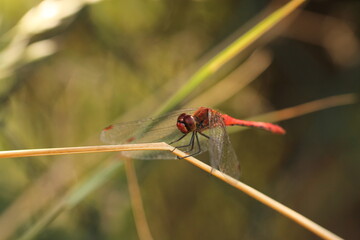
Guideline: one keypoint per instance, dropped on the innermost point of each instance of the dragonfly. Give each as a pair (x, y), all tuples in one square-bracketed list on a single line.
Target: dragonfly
[(193, 131)]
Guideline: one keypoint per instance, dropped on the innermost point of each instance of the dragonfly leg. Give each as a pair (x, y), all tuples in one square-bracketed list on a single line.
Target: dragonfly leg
[(191, 143), (203, 134), (178, 139), (198, 144)]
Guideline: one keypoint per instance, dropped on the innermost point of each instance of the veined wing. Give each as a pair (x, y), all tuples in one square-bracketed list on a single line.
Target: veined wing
[(161, 129), (222, 154), (158, 129)]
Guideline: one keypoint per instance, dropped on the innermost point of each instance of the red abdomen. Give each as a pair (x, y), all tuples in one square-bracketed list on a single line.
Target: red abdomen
[(229, 121)]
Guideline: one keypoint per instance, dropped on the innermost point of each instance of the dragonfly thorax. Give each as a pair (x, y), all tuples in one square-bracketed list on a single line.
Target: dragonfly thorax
[(186, 123)]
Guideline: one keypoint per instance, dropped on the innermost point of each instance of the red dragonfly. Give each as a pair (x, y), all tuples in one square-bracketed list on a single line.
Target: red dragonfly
[(183, 129)]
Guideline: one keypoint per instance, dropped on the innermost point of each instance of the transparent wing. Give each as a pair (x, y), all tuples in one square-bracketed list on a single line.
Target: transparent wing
[(222, 154), (142, 131), (161, 129)]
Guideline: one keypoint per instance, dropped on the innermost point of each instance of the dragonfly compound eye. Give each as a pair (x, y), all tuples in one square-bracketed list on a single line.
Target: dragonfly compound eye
[(186, 123)]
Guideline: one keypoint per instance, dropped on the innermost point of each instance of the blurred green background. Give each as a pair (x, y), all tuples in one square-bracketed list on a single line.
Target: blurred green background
[(66, 72)]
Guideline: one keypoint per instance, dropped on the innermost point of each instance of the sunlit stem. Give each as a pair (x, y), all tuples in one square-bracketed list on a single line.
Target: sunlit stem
[(291, 214)]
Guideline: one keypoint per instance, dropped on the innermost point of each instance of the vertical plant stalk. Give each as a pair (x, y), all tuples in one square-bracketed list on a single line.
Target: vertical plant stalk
[(141, 222)]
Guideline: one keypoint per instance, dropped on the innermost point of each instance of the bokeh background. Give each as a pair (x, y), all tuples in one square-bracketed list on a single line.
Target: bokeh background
[(70, 68)]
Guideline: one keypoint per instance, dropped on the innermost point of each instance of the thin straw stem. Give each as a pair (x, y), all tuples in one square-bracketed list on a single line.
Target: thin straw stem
[(85, 149), (291, 214), (287, 212), (309, 107)]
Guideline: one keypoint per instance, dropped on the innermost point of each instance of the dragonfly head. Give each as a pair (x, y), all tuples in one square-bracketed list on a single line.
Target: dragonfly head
[(186, 123)]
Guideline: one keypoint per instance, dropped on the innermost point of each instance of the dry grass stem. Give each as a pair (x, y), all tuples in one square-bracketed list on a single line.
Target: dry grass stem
[(85, 149), (309, 107), (300, 219)]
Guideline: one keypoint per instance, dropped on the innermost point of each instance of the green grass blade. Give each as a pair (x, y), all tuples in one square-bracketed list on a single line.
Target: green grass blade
[(74, 196), (214, 64)]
